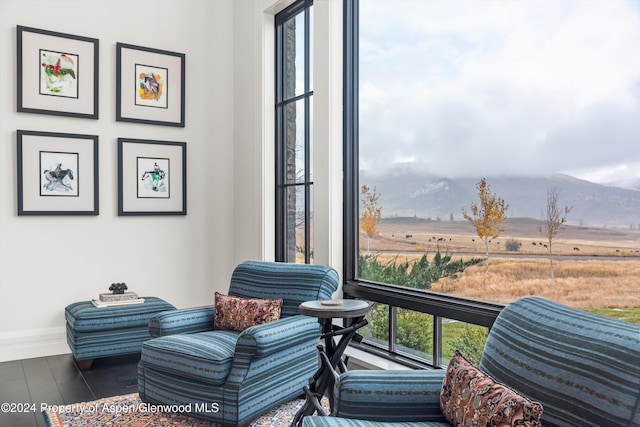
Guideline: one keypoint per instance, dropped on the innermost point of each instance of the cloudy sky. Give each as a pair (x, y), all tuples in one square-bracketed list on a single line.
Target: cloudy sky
[(487, 87)]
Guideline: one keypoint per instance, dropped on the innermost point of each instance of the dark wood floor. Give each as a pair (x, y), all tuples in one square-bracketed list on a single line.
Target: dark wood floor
[(55, 380)]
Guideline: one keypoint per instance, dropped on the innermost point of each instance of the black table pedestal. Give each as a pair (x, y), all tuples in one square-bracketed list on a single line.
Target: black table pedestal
[(331, 360)]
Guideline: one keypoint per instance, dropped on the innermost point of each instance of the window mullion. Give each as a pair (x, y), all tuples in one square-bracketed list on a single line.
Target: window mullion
[(350, 140), (437, 341), (393, 328), (307, 137), (279, 135), (292, 40)]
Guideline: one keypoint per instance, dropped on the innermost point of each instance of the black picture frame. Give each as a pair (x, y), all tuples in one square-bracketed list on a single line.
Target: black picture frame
[(57, 73), (152, 177), (57, 173), (150, 86)]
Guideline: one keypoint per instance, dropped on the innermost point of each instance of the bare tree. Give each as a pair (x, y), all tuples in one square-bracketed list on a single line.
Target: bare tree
[(553, 224)]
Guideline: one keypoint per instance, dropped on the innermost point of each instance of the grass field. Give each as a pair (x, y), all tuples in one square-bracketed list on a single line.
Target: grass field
[(602, 275), (581, 284), (411, 234)]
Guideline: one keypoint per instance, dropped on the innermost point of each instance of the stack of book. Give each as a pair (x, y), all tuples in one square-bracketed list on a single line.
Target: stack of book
[(113, 300)]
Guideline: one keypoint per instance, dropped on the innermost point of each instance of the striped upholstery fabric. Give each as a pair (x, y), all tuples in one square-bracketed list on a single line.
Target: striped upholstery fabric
[(390, 396), (206, 356), (276, 337), (95, 332), (184, 321), (402, 398), (257, 384), (244, 374), (85, 317), (97, 344), (583, 368), (294, 283)]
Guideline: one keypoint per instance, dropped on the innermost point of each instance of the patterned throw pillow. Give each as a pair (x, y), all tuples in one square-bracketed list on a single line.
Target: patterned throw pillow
[(469, 397), (236, 313)]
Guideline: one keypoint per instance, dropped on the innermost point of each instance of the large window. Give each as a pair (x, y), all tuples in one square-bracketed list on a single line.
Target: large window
[(294, 145), (528, 111)]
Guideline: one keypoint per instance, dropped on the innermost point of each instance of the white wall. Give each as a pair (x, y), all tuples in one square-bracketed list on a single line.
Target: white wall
[(254, 130), (229, 134), (327, 132), (47, 262)]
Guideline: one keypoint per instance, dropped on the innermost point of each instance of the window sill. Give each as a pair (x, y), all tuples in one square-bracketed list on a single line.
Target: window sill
[(365, 360)]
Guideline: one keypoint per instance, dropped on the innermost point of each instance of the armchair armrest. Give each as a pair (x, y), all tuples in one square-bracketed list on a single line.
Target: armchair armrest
[(392, 396), (182, 321), (272, 337)]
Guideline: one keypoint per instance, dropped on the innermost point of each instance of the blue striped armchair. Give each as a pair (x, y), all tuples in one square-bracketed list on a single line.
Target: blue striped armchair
[(232, 377), (583, 368)]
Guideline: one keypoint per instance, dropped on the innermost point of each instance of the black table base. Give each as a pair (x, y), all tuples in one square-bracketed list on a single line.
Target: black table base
[(332, 363)]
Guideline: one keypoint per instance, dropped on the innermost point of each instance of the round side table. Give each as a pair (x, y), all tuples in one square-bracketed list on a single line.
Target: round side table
[(331, 360)]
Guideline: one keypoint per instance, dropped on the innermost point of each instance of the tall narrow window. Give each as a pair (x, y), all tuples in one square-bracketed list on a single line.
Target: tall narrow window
[(294, 145)]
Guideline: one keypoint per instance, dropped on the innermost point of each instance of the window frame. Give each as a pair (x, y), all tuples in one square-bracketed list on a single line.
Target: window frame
[(281, 103), (439, 305)]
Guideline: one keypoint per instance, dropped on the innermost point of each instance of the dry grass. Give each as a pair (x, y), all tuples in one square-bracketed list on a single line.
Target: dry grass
[(582, 279), (580, 284)]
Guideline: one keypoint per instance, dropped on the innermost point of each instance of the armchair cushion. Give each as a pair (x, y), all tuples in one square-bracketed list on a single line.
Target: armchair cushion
[(274, 337), (389, 396), (472, 398), (237, 313), (182, 321), (206, 356)]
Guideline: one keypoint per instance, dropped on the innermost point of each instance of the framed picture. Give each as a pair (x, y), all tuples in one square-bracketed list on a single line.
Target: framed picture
[(149, 85), (57, 173), (152, 177), (57, 73)]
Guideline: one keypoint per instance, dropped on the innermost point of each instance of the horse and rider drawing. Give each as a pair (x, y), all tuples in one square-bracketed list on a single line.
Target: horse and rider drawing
[(155, 178), (58, 179)]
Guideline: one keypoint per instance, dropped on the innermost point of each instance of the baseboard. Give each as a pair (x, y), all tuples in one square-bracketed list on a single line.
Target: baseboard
[(32, 343)]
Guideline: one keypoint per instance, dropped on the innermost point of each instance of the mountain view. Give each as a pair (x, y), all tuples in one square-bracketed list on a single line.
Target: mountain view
[(411, 194), (528, 96)]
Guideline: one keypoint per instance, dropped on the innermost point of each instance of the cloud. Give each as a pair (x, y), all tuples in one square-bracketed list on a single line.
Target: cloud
[(478, 87)]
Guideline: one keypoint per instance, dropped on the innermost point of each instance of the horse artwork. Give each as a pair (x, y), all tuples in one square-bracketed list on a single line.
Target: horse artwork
[(155, 177), (153, 180), (59, 74), (59, 174), (58, 179)]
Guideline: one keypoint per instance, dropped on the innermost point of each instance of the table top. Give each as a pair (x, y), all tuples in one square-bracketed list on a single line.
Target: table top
[(329, 309)]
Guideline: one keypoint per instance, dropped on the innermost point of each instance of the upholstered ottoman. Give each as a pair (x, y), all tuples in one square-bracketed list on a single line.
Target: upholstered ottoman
[(95, 332)]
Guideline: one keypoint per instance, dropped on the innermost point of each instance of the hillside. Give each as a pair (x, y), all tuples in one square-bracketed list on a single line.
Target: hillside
[(406, 194)]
